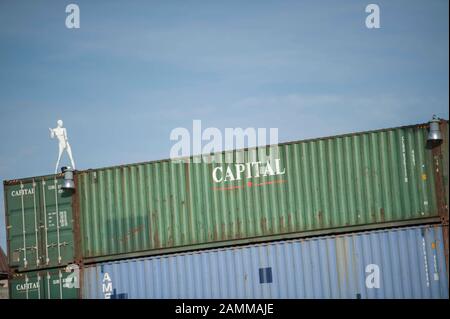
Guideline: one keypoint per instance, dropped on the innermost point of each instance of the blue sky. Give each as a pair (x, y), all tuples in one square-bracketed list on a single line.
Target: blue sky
[(135, 70)]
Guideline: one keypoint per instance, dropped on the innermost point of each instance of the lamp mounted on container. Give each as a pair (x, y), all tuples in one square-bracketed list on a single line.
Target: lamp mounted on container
[(68, 184), (434, 133)]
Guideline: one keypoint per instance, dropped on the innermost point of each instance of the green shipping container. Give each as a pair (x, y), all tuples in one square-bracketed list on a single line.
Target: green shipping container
[(39, 223), (45, 284), (356, 181)]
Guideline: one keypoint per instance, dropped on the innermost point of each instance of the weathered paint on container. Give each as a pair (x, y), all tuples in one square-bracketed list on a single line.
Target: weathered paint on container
[(409, 263), (45, 284), (361, 179), (39, 223), (440, 158)]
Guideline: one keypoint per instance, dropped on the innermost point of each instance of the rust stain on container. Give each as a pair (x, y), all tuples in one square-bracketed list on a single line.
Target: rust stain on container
[(264, 225), (382, 214), (132, 232), (290, 224), (239, 230), (282, 226), (222, 228), (319, 217)]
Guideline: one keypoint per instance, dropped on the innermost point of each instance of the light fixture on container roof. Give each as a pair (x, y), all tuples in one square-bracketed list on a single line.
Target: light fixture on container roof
[(68, 178), (434, 134)]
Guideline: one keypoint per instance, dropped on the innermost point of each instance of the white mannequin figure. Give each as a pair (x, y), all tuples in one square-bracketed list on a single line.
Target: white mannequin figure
[(61, 134)]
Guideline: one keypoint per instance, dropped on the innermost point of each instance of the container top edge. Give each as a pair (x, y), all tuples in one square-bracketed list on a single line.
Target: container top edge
[(30, 179), (419, 125)]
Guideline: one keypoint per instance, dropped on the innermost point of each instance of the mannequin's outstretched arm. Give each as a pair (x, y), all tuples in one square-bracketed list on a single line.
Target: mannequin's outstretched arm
[(52, 134)]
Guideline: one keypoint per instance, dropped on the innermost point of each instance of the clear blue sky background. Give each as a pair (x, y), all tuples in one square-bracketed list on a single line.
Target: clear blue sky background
[(137, 69)]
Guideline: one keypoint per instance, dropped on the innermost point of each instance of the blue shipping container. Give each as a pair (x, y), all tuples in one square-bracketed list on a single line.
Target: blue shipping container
[(396, 263)]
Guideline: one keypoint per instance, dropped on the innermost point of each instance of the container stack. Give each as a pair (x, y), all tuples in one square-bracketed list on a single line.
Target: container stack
[(362, 215)]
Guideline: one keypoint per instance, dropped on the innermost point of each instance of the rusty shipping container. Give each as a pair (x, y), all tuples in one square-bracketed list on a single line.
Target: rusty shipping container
[(403, 262), (359, 181)]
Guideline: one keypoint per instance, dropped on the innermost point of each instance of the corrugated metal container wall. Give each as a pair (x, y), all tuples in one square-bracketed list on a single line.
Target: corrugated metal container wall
[(397, 263), (59, 283), (39, 223), (358, 179)]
